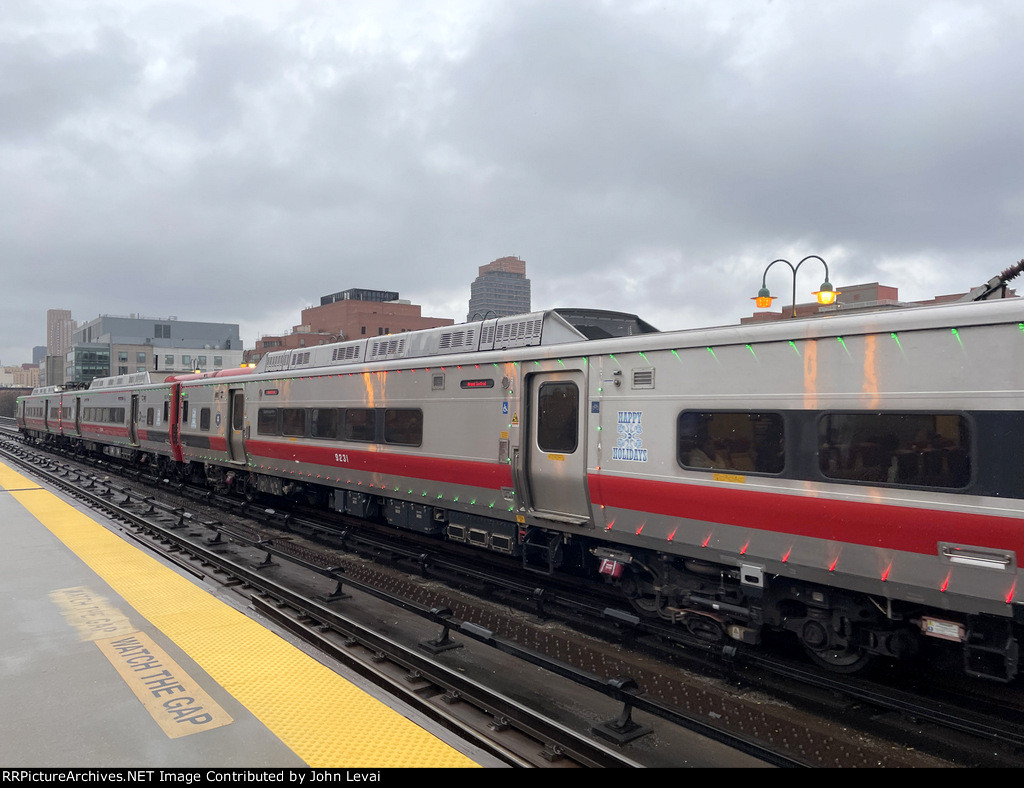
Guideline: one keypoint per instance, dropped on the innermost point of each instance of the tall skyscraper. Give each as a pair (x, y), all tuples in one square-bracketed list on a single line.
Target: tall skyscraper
[(500, 290), (59, 327)]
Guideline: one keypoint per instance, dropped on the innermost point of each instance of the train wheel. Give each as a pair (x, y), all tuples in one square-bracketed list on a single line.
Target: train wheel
[(830, 650), (704, 628), (849, 660), (249, 489), (644, 598), (650, 606)]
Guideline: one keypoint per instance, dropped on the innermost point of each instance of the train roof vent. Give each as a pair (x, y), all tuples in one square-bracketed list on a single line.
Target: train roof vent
[(385, 348), (274, 362), (134, 379), (519, 331), (343, 353), (462, 338), (300, 358)]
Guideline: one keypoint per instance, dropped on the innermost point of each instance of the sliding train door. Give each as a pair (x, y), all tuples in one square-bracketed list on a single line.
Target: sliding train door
[(556, 456), (236, 424)]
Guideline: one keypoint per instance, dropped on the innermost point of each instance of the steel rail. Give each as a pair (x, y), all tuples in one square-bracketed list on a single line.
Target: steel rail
[(587, 751)]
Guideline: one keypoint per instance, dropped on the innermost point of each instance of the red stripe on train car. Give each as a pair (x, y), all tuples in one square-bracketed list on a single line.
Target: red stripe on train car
[(104, 430), (891, 526), (490, 475)]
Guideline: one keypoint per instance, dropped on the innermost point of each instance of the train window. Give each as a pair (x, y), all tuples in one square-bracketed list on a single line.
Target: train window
[(293, 422), (913, 449), (403, 426), (558, 417), (266, 422), (204, 419), (360, 424), (731, 441), (237, 410), (325, 423), (167, 405), (149, 417)]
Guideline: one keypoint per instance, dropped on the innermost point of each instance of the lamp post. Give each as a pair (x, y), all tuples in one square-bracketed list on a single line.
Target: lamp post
[(826, 294)]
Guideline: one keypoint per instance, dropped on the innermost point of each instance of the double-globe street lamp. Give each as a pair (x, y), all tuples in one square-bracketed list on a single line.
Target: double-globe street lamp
[(826, 294)]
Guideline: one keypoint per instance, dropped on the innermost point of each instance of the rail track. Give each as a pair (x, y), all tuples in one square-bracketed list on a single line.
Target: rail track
[(769, 732), (238, 557)]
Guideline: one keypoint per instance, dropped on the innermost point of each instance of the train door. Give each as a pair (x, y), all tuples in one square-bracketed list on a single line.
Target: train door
[(556, 456), (133, 420), (172, 418), (236, 424)]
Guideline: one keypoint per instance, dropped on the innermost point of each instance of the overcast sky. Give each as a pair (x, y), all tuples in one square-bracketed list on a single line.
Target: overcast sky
[(234, 161)]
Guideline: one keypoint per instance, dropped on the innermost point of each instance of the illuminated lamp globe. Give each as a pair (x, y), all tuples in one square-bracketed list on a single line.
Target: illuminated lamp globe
[(826, 295), (763, 299)]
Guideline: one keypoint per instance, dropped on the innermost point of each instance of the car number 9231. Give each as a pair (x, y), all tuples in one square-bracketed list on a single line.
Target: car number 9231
[(340, 457)]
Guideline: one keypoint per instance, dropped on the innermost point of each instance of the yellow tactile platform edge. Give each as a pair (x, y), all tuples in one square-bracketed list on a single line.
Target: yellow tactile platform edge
[(324, 719)]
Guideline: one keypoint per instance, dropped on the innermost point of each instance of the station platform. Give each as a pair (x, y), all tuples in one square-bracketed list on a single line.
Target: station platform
[(112, 658)]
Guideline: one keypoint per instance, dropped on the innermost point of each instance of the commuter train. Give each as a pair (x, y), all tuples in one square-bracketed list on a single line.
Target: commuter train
[(855, 479)]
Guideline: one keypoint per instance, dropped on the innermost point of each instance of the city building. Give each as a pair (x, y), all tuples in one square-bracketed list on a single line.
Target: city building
[(51, 370), (349, 314), (59, 329), (500, 289), (112, 345), (23, 376)]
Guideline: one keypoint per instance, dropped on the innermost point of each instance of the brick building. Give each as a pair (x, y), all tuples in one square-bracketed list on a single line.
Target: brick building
[(350, 314)]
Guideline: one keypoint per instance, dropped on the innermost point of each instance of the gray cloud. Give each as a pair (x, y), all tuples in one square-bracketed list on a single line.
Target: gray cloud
[(212, 164)]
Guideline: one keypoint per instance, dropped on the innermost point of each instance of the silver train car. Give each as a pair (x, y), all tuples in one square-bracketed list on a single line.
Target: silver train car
[(857, 480)]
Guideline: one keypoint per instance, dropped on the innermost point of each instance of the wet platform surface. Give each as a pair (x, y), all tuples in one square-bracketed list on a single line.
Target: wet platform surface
[(114, 658)]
